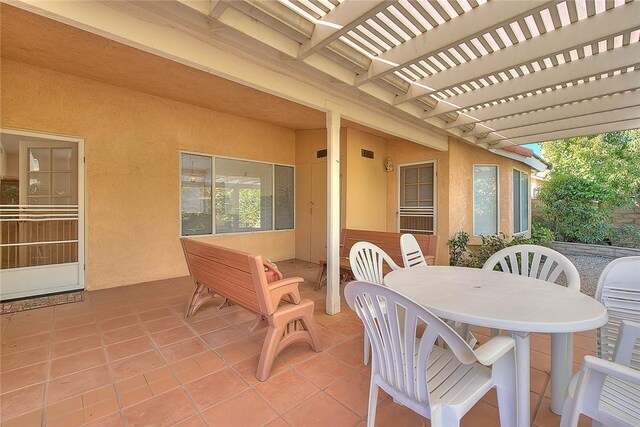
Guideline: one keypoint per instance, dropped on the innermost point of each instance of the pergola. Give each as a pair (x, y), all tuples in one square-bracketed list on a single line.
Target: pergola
[(493, 73)]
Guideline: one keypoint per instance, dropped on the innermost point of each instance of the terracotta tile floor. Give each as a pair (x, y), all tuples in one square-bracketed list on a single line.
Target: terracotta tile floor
[(127, 356)]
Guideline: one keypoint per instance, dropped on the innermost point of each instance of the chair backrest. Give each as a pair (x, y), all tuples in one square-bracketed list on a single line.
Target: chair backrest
[(411, 253), (388, 242), (367, 262), (236, 275), (619, 291), (535, 261), (399, 344)]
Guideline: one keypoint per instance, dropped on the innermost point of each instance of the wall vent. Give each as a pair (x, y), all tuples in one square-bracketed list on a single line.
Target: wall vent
[(367, 153), (321, 153)]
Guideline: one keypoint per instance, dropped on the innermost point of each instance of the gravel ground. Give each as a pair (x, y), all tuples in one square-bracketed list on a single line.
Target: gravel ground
[(589, 268)]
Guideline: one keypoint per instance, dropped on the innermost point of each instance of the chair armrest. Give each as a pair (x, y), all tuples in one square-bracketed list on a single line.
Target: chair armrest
[(494, 349), (288, 286), (611, 369)]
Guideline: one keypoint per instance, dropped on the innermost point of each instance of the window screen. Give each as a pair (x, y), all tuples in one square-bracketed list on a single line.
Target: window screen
[(485, 200)]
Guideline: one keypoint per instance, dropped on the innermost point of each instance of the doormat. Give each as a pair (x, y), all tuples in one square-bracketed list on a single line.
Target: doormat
[(40, 302)]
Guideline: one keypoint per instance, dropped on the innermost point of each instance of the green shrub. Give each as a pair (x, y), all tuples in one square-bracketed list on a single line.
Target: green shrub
[(575, 209), (626, 236), (541, 235), (457, 247)]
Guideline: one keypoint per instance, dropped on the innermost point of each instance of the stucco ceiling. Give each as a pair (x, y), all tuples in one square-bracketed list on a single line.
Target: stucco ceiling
[(33, 39)]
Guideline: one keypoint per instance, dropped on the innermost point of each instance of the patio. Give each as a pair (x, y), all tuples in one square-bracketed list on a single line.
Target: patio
[(127, 356)]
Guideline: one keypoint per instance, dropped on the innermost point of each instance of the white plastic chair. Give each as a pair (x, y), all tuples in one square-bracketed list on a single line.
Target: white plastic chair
[(545, 264), (411, 253), (619, 291), (441, 384), (605, 391), (367, 264)]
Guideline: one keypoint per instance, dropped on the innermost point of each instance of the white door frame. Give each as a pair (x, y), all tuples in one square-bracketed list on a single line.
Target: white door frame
[(435, 192), (82, 236)]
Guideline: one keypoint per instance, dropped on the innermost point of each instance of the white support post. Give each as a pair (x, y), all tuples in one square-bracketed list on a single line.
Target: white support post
[(333, 212)]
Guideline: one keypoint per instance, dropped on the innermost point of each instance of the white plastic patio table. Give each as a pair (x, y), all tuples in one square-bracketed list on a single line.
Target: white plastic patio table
[(518, 304)]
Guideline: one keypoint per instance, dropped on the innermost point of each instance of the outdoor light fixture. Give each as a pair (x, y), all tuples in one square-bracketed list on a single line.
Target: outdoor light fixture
[(388, 164)]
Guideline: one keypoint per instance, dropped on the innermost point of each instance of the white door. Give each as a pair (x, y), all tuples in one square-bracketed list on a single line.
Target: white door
[(41, 215), (417, 204)]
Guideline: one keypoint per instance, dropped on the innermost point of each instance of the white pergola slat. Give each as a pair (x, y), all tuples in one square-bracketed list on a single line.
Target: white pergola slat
[(614, 116), (600, 87), (491, 72), (589, 31), (583, 108)]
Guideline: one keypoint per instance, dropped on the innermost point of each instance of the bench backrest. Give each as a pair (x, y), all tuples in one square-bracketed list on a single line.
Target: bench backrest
[(238, 276), (388, 242)]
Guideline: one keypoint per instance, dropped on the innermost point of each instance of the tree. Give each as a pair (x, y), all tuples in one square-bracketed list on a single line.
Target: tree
[(574, 208), (610, 161)]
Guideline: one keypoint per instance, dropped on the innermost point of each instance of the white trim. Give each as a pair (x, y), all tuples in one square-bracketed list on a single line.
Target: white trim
[(82, 208), (473, 199), (530, 161), (435, 191)]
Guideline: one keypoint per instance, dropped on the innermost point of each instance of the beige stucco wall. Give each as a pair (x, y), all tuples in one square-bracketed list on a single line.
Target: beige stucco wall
[(462, 157), (132, 145), (365, 198), (403, 153)]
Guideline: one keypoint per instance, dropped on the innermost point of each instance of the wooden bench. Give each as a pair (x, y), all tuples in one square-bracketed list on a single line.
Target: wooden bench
[(240, 278), (387, 241)]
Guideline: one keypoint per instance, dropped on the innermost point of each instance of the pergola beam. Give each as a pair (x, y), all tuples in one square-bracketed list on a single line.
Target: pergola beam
[(589, 130), (596, 65), (588, 31), (585, 107), (339, 22), (566, 124), (601, 87), (482, 19)]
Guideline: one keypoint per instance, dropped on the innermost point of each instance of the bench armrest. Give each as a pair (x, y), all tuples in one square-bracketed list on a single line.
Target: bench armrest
[(274, 270), (288, 286)]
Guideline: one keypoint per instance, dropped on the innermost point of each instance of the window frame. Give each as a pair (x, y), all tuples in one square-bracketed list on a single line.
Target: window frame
[(213, 187), (528, 224), (473, 198)]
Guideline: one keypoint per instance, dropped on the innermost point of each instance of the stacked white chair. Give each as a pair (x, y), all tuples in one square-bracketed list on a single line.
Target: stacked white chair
[(606, 391), (441, 384), (367, 264), (411, 253), (619, 291)]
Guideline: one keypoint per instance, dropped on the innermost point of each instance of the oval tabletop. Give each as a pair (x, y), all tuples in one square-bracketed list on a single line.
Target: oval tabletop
[(498, 300)]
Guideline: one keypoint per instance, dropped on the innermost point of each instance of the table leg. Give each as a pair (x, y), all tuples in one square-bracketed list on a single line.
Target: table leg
[(561, 363), (523, 377)]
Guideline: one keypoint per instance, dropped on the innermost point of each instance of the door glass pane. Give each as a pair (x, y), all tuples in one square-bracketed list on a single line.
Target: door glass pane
[(410, 175), (426, 194), (38, 184), (411, 193), (284, 181), (485, 206), (62, 159), (38, 159), (61, 184), (426, 174), (195, 187), (38, 200)]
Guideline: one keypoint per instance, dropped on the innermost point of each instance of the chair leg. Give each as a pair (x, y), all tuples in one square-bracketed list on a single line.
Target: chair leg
[(503, 371), (309, 324), (321, 274), (269, 352), (367, 350), (373, 403)]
